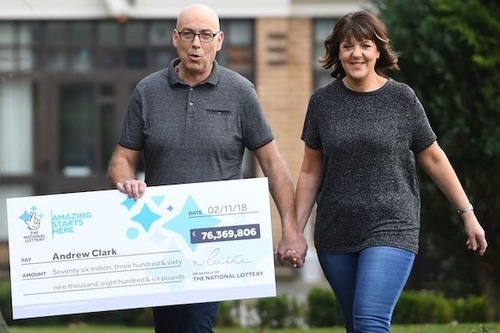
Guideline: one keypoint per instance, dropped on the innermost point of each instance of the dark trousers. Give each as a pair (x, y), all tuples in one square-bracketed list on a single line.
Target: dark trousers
[(186, 318)]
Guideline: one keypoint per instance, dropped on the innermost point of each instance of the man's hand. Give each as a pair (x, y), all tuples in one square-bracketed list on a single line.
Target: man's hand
[(133, 188)]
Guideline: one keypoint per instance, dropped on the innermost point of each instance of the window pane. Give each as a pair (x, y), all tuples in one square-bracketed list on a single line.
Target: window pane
[(161, 33), (136, 58), (237, 52), (319, 52), (7, 40), (16, 127), (56, 33), (134, 33), (56, 60), (108, 34), (76, 129), (82, 33), (323, 78), (26, 59), (238, 32), (7, 35), (7, 60), (35, 60), (109, 59), (29, 33), (81, 60), (322, 29), (162, 57)]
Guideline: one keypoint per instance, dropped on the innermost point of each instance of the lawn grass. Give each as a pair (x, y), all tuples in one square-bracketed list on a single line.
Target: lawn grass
[(443, 328)]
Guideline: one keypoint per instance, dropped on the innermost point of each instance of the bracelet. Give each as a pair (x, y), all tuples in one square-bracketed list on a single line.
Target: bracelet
[(465, 210)]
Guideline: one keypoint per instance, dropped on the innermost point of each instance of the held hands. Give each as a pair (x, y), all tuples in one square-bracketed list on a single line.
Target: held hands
[(133, 188), (294, 259), (292, 249)]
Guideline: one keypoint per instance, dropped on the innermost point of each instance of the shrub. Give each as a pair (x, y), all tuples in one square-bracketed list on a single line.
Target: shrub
[(470, 310), (320, 310), (421, 308), (5, 301), (279, 312), (323, 309), (273, 311), (225, 315)]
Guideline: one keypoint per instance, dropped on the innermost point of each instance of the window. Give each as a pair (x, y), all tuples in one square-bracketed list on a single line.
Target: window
[(16, 127), (64, 85), (237, 52), (322, 28), (90, 46)]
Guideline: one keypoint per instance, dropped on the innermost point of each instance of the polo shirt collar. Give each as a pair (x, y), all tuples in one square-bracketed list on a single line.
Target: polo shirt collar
[(173, 78)]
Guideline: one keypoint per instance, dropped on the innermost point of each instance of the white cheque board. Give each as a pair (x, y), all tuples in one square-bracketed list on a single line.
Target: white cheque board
[(100, 250)]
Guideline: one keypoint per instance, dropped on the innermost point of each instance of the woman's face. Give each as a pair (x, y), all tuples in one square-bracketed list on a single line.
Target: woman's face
[(358, 58)]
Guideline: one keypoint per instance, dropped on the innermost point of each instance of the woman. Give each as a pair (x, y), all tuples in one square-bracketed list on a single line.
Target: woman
[(363, 135)]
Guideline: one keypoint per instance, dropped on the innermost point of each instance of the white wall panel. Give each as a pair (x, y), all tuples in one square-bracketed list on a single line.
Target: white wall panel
[(326, 10), (52, 9), (81, 9), (225, 8)]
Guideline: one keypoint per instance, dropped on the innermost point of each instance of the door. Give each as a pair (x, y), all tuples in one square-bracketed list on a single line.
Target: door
[(81, 126)]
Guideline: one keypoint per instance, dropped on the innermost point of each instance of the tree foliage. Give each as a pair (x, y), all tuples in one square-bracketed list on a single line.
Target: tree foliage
[(450, 55)]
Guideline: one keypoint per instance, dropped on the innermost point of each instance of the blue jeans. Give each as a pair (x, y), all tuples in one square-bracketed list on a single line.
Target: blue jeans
[(186, 318), (367, 285)]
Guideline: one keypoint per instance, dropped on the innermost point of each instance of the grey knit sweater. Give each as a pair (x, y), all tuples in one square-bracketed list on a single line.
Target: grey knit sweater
[(369, 195)]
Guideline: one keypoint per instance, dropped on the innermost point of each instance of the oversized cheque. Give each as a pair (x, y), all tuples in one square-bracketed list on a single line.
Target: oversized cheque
[(100, 250)]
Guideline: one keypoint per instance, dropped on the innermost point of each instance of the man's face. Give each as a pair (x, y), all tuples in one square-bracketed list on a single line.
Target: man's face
[(197, 56)]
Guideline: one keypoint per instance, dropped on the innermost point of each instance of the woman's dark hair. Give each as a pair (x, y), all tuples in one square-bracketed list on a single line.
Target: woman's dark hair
[(360, 26)]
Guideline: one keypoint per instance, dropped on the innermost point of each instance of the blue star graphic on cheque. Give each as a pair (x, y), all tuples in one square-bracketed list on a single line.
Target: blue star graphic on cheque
[(129, 203), (182, 223), (146, 217)]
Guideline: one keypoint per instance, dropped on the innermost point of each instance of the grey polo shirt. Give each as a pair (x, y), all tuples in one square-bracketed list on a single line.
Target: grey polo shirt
[(194, 134)]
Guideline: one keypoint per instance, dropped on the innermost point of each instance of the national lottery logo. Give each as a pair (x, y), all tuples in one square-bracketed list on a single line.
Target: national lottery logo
[(33, 219)]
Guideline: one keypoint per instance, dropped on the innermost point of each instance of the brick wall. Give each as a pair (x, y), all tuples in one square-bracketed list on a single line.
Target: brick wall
[(284, 83)]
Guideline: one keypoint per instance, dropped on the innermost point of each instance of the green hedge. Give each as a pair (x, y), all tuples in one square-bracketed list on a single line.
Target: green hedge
[(320, 309), (323, 309), (5, 301), (422, 308), (276, 312), (412, 308), (470, 310)]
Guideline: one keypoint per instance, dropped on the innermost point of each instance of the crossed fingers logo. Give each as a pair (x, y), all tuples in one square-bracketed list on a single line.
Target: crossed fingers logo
[(33, 222)]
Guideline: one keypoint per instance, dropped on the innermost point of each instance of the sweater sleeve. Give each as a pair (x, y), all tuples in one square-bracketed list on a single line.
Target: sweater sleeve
[(310, 131), (422, 134)]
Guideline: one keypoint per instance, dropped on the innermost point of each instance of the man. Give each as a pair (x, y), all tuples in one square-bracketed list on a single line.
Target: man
[(192, 121)]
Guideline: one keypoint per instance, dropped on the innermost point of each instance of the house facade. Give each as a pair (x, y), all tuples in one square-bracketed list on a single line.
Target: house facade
[(67, 69)]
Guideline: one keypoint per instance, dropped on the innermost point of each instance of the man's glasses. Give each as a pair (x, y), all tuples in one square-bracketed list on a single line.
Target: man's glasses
[(205, 36)]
